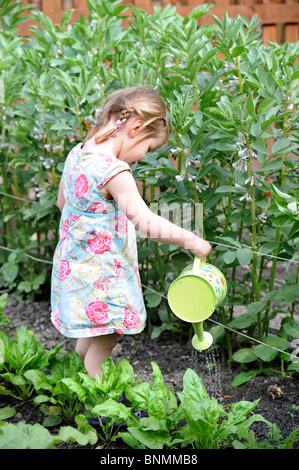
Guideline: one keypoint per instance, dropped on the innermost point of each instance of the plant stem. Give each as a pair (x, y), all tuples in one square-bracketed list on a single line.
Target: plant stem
[(285, 135), (157, 252), (255, 282), (272, 279), (26, 238), (239, 75)]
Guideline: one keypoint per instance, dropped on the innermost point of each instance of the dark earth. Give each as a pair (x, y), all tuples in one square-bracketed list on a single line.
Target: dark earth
[(279, 400)]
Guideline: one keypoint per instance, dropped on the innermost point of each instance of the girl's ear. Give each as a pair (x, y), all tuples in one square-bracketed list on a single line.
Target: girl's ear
[(135, 128)]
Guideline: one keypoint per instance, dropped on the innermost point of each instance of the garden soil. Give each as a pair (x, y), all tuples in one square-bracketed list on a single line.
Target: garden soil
[(279, 400)]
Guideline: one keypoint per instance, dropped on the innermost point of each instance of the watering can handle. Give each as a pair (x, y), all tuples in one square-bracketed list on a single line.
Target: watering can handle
[(196, 264)]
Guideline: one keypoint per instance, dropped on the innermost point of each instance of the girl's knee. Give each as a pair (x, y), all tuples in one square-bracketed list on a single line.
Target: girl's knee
[(82, 346), (107, 341)]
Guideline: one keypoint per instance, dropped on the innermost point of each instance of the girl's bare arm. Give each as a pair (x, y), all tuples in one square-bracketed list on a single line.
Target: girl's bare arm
[(124, 191), (60, 198)]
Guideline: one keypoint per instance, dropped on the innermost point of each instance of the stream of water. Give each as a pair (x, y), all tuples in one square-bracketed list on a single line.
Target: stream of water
[(208, 361)]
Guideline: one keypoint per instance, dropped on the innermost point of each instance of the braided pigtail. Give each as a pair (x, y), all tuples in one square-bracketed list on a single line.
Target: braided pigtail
[(123, 117), (142, 102)]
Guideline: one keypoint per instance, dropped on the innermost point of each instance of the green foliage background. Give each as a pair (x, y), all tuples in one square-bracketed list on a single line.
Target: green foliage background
[(233, 104)]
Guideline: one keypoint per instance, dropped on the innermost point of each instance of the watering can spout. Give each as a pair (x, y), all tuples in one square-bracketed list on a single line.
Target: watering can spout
[(202, 339)]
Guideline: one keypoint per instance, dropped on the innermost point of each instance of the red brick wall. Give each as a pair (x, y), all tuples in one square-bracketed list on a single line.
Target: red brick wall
[(279, 18)]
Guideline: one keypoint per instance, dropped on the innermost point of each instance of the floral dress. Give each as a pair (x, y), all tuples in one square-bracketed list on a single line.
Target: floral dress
[(96, 286)]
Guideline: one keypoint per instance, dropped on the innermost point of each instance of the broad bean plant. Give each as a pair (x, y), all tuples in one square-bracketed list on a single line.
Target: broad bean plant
[(232, 153)]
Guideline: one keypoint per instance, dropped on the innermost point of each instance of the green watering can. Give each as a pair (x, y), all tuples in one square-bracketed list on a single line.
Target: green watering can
[(194, 295)]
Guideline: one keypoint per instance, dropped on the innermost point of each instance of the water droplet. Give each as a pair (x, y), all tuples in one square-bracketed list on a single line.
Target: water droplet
[(208, 366)]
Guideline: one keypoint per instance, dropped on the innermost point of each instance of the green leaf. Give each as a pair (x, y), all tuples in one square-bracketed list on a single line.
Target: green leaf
[(138, 395), (3, 300), (75, 387), (280, 145), (85, 428), (294, 366), (227, 189), (239, 411), (270, 83), (244, 256), (68, 433), (268, 247), (250, 105), (25, 286), (255, 307), (152, 440), (112, 409), (131, 441), (152, 299), (264, 106), (193, 386), (10, 271), (229, 257), (290, 326), (244, 356), (7, 412), (242, 321), (277, 342), (265, 353), (2, 351), (288, 293), (244, 377), (238, 50), (25, 436), (39, 379)]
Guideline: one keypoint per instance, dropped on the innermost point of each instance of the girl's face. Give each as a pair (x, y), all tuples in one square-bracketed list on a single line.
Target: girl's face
[(136, 153), (132, 151)]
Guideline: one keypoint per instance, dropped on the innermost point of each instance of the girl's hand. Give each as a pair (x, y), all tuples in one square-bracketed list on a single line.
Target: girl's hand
[(202, 248)]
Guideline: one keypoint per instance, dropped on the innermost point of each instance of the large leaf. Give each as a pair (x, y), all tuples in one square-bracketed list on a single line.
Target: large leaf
[(244, 355)]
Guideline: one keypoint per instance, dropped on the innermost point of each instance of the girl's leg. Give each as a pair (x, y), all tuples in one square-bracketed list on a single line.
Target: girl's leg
[(82, 346), (100, 348)]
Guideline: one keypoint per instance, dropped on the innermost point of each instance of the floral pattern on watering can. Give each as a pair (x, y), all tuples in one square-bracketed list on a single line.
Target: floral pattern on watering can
[(213, 276)]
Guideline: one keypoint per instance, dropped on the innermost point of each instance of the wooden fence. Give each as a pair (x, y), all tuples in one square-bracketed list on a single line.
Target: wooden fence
[(279, 18)]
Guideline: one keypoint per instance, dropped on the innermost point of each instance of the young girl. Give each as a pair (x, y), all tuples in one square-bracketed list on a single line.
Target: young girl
[(96, 292)]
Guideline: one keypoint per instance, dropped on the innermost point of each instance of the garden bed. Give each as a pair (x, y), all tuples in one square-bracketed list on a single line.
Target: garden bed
[(279, 400)]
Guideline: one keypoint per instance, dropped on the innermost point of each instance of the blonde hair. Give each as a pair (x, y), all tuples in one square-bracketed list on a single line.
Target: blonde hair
[(142, 102)]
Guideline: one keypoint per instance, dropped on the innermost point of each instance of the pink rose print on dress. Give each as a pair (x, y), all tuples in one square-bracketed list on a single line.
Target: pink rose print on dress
[(137, 276), (57, 321), (101, 243), (131, 319), (109, 160), (65, 229), (65, 270), (98, 207), (81, 186), (74, 217), (117, 265), (122, 224), (97, 313), (97, 331), (102, 283)]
